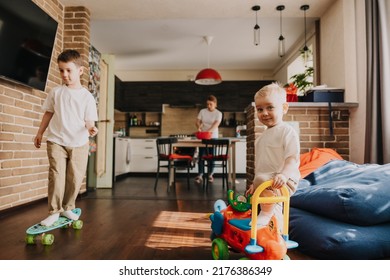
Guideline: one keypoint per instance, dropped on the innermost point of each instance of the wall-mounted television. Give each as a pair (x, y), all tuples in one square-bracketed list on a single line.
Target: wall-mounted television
[(27, 37)]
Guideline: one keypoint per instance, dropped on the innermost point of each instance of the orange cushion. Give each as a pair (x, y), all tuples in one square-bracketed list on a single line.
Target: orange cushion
[(177, 156), (317, 157), (211, 157)]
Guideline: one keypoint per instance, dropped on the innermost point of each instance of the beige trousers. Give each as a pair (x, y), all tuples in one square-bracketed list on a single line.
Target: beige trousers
[(67, 169)]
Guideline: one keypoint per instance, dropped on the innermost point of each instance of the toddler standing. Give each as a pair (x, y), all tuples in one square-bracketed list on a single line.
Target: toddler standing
[(277, 151)]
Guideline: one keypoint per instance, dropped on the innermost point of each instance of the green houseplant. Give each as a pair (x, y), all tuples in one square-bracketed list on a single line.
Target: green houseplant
[(303, 81)]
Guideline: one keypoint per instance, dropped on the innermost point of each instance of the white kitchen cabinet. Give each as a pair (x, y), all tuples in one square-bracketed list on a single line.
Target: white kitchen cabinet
[(241, 157), (122, 155), (143, 155)]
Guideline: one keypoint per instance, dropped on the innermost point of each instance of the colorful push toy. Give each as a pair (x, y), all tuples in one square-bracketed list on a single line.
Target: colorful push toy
[(231, 227)]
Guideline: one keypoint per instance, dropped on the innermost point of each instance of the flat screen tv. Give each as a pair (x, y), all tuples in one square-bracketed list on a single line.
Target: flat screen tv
[(27, 37)]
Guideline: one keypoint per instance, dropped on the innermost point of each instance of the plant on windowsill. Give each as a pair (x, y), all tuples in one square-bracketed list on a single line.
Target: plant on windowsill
[(303, 81)]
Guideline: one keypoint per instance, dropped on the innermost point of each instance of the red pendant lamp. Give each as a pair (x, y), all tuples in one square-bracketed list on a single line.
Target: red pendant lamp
[(208, 76)]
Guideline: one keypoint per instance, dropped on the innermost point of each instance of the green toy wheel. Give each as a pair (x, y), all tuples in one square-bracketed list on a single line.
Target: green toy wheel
[(30, 239), (219, 249), (47, 239), (286, 257), (77, 224)]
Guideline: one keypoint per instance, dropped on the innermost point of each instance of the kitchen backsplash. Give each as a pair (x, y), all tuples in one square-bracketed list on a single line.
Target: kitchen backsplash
[(178, 120)]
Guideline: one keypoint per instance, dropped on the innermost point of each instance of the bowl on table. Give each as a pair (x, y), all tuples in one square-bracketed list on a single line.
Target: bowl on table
[(203, 134)]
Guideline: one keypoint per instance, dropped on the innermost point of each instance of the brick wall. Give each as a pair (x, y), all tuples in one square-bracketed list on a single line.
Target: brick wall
[(313, 127), (23, 168), (77, 35)]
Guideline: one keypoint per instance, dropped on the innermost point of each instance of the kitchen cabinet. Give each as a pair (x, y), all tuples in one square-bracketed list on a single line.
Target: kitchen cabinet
[(233, 96), (122, 155), (143, 155), (241, 157)]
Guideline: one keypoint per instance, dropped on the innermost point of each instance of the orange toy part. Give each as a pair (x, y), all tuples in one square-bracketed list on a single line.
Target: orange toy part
[(270, 239), (230, 213)]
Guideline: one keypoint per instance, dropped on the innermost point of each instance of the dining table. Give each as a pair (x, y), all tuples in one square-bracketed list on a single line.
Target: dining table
[(197, 143)]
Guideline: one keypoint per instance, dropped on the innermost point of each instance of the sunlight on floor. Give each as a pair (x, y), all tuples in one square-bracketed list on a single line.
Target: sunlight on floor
[(183, 220), (180, 229)]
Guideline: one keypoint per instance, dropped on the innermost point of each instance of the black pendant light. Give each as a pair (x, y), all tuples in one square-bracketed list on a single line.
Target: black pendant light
[(256, 28), (305, 50), (281, 41)]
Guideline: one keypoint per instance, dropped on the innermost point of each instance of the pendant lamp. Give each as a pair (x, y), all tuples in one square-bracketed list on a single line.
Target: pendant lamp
[(305, 50), (256, 28), (208, 76), (281, 47)]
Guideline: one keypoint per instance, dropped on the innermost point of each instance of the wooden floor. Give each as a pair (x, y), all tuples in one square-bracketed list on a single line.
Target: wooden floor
[(130, 221)]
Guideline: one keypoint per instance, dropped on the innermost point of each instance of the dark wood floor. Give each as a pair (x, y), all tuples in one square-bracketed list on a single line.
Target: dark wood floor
[(130, 221)]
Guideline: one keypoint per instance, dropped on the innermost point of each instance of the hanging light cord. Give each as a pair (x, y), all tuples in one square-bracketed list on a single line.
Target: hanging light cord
[(208, 40), (304, 12), (281, 33), (304, 21), (208, 55)]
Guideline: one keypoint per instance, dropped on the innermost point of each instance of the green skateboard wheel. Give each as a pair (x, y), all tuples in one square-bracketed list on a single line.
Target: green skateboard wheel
[(47, 239), (78, 224), (30, 239)]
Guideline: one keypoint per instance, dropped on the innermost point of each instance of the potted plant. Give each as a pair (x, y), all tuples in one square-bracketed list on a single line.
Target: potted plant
[(303, 81)]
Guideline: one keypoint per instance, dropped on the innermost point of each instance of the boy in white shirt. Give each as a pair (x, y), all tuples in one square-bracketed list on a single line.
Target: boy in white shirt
[(277, 151), (70, 115)]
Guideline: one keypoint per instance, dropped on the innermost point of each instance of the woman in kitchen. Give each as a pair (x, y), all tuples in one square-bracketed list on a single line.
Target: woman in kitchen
[(208, 120)]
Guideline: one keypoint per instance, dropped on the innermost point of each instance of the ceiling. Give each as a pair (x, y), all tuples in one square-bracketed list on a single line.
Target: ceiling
[(168, 35)]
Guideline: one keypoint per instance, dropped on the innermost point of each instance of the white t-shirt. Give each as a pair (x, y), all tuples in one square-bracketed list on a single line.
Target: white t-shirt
[(71, 108), (208, 118), (274, 146)]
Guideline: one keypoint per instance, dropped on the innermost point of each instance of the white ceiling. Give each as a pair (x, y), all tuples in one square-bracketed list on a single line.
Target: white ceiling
[(168, 35)]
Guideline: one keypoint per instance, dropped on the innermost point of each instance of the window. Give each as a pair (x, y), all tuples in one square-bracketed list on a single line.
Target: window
[(298, 65)]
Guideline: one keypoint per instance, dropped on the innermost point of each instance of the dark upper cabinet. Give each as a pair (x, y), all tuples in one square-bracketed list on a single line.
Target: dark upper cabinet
[(233, 96)]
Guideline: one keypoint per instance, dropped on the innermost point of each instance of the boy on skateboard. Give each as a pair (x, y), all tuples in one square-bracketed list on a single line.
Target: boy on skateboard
[(70, 115)]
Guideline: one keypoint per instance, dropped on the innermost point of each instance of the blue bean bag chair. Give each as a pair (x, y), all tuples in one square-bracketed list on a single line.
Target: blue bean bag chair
[(342, 211)]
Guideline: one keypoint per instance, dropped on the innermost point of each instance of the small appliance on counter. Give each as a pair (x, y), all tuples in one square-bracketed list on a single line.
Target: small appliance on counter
[(241, 131)]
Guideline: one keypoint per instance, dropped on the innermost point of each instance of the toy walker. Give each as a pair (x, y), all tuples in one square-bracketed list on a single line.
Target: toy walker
[(235, 226)]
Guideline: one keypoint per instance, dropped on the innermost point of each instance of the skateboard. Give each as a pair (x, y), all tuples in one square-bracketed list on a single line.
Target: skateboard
[(38, 231)]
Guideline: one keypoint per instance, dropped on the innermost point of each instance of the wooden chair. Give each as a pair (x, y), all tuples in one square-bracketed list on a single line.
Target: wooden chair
[(166, 158), (217, 155)]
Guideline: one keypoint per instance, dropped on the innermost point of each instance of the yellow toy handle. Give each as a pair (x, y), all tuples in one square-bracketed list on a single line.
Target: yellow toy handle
[(256, 199)]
